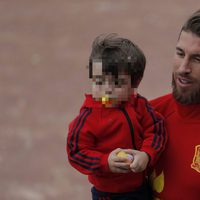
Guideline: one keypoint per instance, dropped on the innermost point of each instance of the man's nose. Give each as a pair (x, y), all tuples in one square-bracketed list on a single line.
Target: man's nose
[(185, 66)]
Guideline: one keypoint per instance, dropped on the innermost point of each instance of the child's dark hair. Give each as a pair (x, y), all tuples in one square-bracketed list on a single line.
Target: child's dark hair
[(118, 55)]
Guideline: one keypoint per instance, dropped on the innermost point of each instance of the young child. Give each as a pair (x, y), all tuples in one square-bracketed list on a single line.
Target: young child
[(117, 133)]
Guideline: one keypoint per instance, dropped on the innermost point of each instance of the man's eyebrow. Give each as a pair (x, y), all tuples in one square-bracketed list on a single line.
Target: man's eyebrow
[(196, 55)]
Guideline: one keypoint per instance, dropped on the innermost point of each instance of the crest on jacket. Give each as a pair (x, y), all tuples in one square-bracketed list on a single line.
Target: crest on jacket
[(196, 159)]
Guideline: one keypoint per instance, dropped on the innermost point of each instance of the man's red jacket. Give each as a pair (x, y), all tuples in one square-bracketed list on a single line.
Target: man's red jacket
[(177, 173)]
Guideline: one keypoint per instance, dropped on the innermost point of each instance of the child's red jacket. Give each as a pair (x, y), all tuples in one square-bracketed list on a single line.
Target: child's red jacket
[(97, 131)]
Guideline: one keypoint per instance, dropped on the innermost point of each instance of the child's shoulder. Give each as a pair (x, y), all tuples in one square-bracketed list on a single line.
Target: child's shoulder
[(141, 104), (141, 101), (89, 102)]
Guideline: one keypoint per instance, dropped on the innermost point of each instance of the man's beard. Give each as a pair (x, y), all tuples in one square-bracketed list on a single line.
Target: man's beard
[(192, 97)]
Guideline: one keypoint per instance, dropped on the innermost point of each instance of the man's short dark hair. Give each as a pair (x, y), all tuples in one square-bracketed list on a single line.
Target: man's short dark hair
[(118, 55), (193, 24)]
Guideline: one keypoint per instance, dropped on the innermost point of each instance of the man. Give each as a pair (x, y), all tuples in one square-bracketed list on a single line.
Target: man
[(177, 174)]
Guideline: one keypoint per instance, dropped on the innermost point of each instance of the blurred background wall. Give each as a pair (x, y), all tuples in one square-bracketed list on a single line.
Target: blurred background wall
[(44, 49)]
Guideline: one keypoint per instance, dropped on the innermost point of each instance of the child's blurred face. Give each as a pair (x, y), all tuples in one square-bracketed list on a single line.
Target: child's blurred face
[(108, 88)]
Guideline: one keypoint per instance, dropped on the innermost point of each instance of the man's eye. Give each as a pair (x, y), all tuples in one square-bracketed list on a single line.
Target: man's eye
[(197, 59), (181, 54)]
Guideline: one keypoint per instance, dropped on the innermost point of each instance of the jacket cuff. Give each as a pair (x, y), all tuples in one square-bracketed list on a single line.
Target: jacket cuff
[(104, 163)]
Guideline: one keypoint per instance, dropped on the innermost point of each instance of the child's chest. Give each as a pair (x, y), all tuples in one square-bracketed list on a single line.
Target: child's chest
[(118, 128)]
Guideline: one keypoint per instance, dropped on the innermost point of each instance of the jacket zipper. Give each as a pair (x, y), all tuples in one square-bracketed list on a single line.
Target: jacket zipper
[(130, 126)]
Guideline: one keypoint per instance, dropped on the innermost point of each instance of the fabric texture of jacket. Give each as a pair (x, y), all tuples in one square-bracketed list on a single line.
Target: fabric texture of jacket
[(177, 173)]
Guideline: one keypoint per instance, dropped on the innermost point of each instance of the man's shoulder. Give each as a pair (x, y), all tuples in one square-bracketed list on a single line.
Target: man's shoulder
[(164, 104), (165, 99)]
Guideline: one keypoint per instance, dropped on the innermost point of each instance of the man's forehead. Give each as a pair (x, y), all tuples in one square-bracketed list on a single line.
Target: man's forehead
[(189, 42)]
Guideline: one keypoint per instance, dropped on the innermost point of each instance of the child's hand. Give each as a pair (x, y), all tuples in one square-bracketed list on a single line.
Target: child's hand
[(140, 161), (118, 164)]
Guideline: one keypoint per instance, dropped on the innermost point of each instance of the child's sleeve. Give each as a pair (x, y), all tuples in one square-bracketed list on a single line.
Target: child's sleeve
[(154, 135), (81, 149)]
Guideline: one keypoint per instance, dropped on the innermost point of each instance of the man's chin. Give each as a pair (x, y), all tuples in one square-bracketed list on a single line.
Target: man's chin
[(181, 98), (186, 97)]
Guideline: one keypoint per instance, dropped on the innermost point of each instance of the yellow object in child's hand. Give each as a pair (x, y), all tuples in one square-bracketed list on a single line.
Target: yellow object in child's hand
[(123, 154)]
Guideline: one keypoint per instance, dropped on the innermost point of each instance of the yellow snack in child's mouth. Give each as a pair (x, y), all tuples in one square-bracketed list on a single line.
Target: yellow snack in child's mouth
[(105, 99)]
